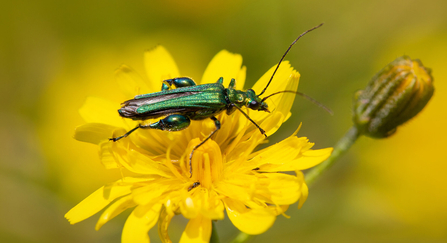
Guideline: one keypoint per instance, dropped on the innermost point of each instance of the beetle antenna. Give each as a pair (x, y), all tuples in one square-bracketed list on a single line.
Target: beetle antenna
[(304, 96), (282, 58)]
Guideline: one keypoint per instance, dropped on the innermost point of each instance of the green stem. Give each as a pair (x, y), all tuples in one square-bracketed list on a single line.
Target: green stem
[(339, 149), (214, 236), (242, 238)]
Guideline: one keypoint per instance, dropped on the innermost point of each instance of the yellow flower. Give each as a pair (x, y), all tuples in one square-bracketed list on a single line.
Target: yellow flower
[(233, 177)]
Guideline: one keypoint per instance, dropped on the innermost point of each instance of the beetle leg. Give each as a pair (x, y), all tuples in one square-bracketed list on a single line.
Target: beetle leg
[(177, 82), (260, 129), (232, 84), (125, 134), (217, 123), (170, 123)]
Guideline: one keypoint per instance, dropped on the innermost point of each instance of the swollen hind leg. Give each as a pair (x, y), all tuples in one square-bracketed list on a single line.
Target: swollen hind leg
[(170, 123), (177, 82)]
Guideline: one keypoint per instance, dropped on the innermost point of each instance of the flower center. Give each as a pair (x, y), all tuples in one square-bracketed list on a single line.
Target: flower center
[(207, 165)]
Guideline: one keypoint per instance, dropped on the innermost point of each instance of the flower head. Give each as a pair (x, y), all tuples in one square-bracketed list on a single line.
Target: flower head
[(394, 95), (227, 173)]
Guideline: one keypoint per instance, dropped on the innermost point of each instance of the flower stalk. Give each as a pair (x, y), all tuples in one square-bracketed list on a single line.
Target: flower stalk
[(242, 238), (340, 148), (214, 236)]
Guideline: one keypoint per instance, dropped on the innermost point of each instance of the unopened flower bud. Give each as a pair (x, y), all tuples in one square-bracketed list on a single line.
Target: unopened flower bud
[(394, 95)]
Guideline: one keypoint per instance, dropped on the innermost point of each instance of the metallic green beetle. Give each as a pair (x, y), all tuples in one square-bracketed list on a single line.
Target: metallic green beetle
[(187, 101)]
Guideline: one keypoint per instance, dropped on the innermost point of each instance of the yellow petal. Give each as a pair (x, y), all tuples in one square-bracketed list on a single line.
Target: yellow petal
[(272, 122), (159, 66), (113, 210), (226, 65), (139, 222), (304, 189), (290, 154), (213, 206), (232, 130), (282, 189), (163, 223), (93, 132), (125, 153), (98, 110), (281, 210), (250, 221), (237, 186), (189, 207), (155, 141), (278, 155), (99, 199), (141, 164), (278, 83), (244, 148), (311, 158), (107, 156), (287, 99), (156, 190), (285, 79), (198, 230), (130, 82)]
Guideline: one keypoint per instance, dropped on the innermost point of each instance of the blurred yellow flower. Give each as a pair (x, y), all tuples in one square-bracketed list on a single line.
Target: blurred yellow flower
[(231, 175)]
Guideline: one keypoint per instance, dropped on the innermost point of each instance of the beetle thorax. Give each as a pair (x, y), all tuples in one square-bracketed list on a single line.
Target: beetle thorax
[(237, 97), (247, 98)]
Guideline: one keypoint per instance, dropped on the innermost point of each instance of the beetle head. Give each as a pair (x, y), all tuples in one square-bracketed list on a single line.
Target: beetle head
[(255, 103)]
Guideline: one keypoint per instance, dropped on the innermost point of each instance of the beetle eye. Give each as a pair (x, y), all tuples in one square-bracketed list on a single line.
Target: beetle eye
[(253, 105)]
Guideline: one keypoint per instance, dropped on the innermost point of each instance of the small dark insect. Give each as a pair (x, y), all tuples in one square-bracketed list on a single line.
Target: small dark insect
[(186, 101), (194, 185)]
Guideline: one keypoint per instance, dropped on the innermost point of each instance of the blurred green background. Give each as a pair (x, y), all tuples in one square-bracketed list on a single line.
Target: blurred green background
[(53, 54)]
